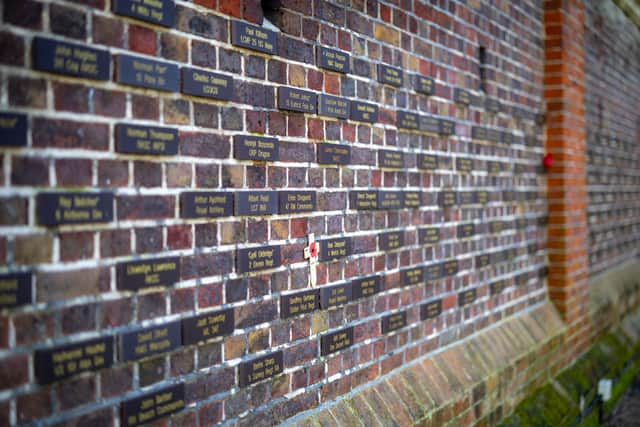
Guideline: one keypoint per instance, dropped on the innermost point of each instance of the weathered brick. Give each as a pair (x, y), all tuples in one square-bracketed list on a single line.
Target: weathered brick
[(50, 133), (55, 286), (67, 21)]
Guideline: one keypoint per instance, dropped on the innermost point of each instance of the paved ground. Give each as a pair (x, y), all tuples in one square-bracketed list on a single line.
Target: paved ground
[(627, 411)]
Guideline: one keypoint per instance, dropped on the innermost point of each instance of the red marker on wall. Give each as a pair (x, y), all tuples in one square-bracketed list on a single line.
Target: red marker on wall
[(547, 160)]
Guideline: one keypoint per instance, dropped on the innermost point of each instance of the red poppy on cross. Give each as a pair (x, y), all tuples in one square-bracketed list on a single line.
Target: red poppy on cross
[(311, 253)]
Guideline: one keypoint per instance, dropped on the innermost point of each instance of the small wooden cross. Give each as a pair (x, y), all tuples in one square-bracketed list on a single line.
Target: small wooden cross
[(311, 253)]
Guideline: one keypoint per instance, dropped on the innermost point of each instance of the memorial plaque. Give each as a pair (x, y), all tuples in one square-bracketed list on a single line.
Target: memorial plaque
[(482, 260), (429, 124), (365, 287), (148, 140), (479, 133), (391, 159), (461, 96), (508, 195), (206, 84), (297, 201), (256, 259), (55, 364), (15, 289), (522, 279), (492, 105), (466, 230), (136, 275), (428, 235), (260, 368), (393, 322), (159, 12), (74, 208), (482, 197), (390, 200), (331, 249), (496, 226), (70, 59), (427, 162), (464, 165), (391, 240), (424, 85), (205, 204), (390, 75), (152, 406), (253, 37), (466, 197), (466, 297), (532, 248), (494, 167), (334, 154), (519, 168), (450, 268), (207, 325), (250, 147), (497, 287), (147, 73), (446, 127), (411, 276), (364, 112), (332, 59), (431, 309), (447, 198), (334, 296), (256, 203), (336, 341), (333, 106), (445, 162), (299, 303), (407, 120), (434, 271), (493, 135), (13, 130), (147, 342), (412, 199), (507, 138), (299, 100), (497, 257), (363, 199)]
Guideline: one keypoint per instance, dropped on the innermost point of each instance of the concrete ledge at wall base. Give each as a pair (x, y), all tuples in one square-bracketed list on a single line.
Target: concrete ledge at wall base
[(473, 382)]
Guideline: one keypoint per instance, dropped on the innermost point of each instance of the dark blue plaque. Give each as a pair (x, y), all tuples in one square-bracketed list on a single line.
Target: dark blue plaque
[(70, 59), (332, 59), (205, 84), (148, 140), (15, 289), (147, 73), (253, 37), (159, 12), (13, 130)]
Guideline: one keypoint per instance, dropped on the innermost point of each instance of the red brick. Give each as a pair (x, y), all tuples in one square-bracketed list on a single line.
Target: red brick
[(142, 39)]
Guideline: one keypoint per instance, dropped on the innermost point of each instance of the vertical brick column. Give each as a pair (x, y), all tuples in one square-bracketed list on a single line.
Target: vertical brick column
[(566, 141)]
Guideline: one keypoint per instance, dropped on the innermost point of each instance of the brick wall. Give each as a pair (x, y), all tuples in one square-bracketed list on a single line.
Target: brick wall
[(133, 260), (613, 135)]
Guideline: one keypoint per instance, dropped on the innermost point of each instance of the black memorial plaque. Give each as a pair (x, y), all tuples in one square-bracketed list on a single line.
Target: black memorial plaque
[(331, 249), (334, 296), (147, 73), (391, 159), (434, 271), (497, 287), (256, 203), (207, 326), (461, 96), (521, 223), (147, 342), (493, 135), (445, 162), (253, 37), (74, 208), (159, 12), (336, 341), (425, 85), (429, 124), (496, 226), (206, 84), (482, 260), (15, 289), (464, 165), (492, 105), (256, 259), (446, 127), (495, 167), (391, 240), (427, 161), (260, 368), (70, 59), (407, 120), (297, 201), (333, 106), (390, 200), (149, 273), (250, 147), (205, 204), (411, 276), (363, 199), (13, 130), (428, 235), (466, 230), (293, 99), (55, 364), (450, 268), (148, 140), (412, 199), (507, 138), (363, 112), (522, 279), (152, 406), (478, 132), (466, 197), (519, 168), (532, 248), (334, 154), (299, 303), (447, 198), (393, 322), (467, 297), (482, 197), (332, 59), (365, 287), (431, 309), (390, 75)]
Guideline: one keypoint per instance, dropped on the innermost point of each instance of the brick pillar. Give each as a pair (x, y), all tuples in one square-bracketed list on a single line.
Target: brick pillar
[(564, 81)]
